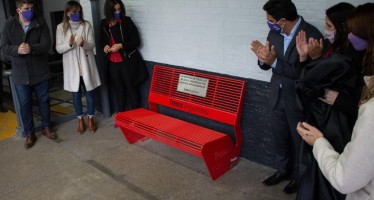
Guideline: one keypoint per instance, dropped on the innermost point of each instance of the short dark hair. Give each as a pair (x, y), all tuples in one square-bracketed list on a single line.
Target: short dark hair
[(19, 3), (109, 9), (281, 9), (338, 15)]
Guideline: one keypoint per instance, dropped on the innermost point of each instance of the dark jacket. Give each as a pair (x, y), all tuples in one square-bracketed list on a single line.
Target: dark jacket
[(337, 73), (288, 69), (32, 68), (346, 102), (130, 41)]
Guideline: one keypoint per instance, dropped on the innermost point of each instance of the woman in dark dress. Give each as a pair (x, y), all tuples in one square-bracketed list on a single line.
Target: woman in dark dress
[(331, 68), (119, 40)]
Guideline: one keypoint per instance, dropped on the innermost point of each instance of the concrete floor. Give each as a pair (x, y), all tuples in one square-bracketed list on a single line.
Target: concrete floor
[(104, 166)]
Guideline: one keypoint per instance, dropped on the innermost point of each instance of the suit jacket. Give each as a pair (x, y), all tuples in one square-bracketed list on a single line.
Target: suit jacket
[(288, 67)]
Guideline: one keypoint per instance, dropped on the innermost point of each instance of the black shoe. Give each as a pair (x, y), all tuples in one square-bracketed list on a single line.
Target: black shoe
[(275, 179), (291, 187)]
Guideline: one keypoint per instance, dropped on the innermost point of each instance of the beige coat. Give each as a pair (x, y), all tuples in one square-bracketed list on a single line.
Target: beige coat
[(351, 172), (75, 56)]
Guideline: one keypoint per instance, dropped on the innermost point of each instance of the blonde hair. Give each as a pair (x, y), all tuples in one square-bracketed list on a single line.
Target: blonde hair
[(368, 90), (71, 6)]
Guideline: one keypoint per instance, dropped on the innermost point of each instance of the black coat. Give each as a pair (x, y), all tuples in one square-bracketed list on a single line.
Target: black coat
[(336, 73), (130, 41), (347, 102), (32, 68)]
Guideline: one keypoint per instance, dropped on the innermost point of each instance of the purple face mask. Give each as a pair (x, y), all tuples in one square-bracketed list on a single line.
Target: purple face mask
[(75, 17), (28, 15), (117, 15), (274, 27), (358, 43)]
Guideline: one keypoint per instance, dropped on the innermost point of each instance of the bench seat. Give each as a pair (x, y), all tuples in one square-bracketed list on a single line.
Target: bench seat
[(180, 134)]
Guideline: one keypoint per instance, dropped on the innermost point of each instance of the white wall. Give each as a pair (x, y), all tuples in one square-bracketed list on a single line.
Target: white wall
[(212, 35), (87, 11)]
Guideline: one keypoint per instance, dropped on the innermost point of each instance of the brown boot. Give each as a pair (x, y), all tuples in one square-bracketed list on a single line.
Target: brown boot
[(81, 126), (91, 125)]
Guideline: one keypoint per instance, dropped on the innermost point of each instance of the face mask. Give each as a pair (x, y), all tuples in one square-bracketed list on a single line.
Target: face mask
[(117, 15), (330, 35), (274, 27), (358, 43), (27, 15), (75, 17)]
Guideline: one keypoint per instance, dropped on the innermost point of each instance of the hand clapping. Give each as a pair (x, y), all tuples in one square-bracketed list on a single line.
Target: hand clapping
[(81, 42), (312, 47), (264, 53), (72, 39)]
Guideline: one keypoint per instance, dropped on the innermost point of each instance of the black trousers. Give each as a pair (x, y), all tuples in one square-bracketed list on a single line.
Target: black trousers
[(285, 139), (127, 95)]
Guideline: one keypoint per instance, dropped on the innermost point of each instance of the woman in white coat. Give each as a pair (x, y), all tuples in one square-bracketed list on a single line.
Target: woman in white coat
[(75, 40), (352, 171)]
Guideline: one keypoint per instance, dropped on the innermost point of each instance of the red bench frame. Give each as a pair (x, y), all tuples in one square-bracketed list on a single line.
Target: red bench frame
[(223, 103)]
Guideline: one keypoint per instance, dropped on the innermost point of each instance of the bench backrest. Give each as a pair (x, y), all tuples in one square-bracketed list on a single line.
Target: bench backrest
[(223, 100)]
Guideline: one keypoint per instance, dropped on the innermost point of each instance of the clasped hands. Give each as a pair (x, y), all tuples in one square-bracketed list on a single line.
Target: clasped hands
[(114, 48), (263, 52), (24, 49)]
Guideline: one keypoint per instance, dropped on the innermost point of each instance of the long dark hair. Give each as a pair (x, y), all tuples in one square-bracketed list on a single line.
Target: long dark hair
[(338, 15), (360, 23), (109, 9), (71, 5)]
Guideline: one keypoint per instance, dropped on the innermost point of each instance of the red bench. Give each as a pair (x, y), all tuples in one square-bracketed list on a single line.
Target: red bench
[(185, 90)]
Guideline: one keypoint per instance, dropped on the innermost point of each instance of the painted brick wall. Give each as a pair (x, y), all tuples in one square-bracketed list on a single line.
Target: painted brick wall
[(212, 35)]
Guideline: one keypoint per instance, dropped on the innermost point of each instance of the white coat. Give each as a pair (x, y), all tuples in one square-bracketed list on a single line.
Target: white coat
[(351, 172), (75, 56)]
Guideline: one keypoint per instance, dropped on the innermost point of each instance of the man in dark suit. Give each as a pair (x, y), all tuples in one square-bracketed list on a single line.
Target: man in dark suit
[(280, 54)]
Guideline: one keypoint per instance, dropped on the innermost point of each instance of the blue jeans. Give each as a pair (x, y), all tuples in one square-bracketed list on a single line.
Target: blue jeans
[(24, 93), (90, 99)]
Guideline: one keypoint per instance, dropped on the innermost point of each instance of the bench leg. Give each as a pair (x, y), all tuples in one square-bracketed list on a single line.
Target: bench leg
[(132, 136), (218, 157)]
